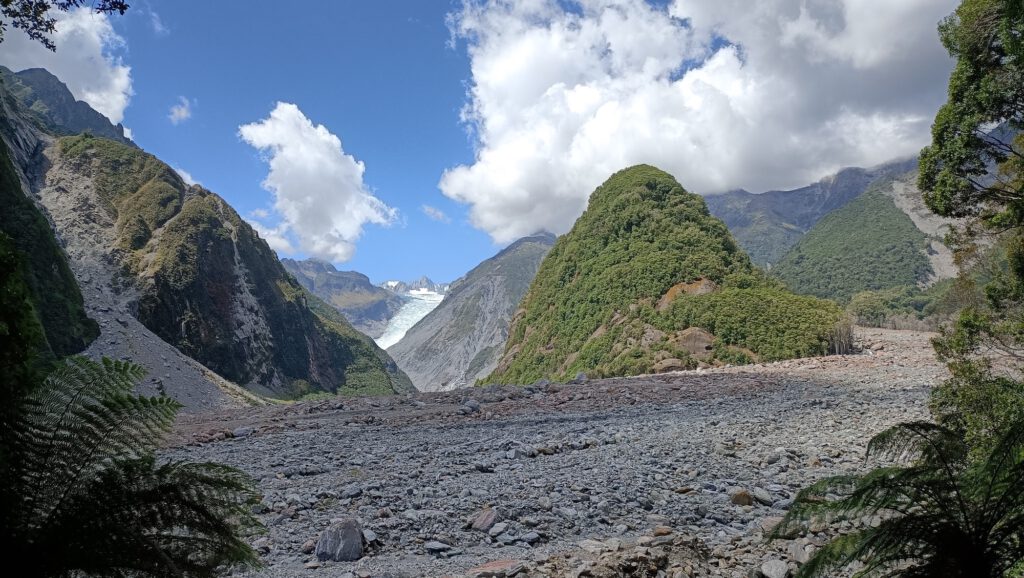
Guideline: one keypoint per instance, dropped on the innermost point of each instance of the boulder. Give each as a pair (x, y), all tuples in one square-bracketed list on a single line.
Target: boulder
[(740, 496), (341, 542), (670, 364), (774, 569), (694, 340)]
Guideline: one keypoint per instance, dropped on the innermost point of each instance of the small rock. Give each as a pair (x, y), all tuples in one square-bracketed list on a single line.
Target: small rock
[(241, 432), (662, 530), (483, 520), (762, 496), (435, 547), (498, 529), (497, 569), (530, 537), (308, 547)]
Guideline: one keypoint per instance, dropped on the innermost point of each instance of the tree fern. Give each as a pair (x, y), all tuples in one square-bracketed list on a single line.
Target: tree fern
[(940, 514), (94, 500)]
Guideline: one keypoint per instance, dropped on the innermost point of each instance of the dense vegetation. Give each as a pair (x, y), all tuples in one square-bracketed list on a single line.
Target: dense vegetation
[(81, 492), (593, 305), (939, 513), (52, 288), (955, 507), (205, 276), (867, 245)]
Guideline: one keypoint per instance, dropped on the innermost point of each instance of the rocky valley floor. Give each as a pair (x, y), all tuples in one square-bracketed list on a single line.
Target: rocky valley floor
[(668, 475)]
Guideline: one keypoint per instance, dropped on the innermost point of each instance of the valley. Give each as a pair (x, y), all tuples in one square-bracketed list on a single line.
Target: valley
[(577, 473)]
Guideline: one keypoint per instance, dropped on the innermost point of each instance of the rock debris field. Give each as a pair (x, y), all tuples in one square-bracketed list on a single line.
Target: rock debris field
[(670, 475)]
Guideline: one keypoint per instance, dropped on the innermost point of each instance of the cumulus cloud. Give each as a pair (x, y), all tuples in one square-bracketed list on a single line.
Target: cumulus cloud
[(435, 214), (86, 59), (721, 93), (318, 189), (186, 176), (180, 112)]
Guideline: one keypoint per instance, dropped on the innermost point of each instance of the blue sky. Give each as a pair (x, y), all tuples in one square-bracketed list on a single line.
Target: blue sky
[(496, 117), (379, 75)]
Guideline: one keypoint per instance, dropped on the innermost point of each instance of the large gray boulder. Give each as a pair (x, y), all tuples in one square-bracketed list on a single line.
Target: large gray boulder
[(342, 542)]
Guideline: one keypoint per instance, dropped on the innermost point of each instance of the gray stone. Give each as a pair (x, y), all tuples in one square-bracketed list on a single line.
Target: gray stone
[(241, 432), (435, 547), (774, 569), (342, 542), (352, 491), (530, 537), (762, 496), (498, 529)]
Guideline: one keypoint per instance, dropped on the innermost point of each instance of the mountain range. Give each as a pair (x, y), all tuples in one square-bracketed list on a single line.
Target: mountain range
[(176, 279), (168, 274), (768, 224), (366, 306)]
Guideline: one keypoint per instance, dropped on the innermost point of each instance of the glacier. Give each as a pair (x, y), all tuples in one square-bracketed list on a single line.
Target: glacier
[(418, 303)]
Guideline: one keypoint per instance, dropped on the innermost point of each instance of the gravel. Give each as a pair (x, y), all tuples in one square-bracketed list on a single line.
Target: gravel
[(560, 474)]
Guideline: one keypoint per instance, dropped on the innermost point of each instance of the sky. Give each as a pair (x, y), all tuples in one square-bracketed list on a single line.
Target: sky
[(418, 137)]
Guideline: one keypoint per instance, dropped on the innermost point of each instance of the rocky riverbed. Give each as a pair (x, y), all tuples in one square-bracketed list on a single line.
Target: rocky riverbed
[(669, 475)]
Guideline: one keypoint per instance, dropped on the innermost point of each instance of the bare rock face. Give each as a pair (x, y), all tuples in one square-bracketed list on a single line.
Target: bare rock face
[(461, 340), (695, 340), (342, 542)]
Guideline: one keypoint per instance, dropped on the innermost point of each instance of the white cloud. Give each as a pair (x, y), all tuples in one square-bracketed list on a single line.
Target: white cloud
[(180, 112), (435, 214), (186, 176), (276, 237), (86, 59), (720, 93), (259, 214), (128, 133), (319, 193), (157, 24)]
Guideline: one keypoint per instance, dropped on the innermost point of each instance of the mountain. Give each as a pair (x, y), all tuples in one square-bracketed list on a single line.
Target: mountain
[(44, 96), (461, 340), (646, 281), (423, 284), (56, 299), (768, 224), (367, 307), (177, 280), (882, 239)]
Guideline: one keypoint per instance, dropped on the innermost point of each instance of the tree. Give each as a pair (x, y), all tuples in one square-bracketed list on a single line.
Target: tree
[(974, 170), (35, 19), (85, 495), (940, 515), (977, 130)]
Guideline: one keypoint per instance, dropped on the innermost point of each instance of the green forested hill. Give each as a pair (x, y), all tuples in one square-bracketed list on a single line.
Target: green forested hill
[(868, 244), (643, 264)]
